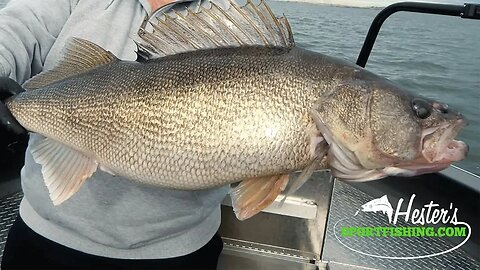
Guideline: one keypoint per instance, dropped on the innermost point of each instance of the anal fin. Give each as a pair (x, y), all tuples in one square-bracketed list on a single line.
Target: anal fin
[(255, 194), (64, 169)]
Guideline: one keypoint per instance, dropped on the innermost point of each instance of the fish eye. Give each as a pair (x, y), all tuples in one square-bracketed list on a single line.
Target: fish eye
[(422, 108)]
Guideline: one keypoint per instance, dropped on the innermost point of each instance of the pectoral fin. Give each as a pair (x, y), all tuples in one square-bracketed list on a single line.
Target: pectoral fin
[(301, 179), (253, 195), (64, 169)]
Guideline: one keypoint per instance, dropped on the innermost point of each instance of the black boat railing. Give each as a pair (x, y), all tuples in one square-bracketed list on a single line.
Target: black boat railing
[(466, 11)]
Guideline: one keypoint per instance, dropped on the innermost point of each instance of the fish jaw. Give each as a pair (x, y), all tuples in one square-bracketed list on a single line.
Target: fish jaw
[(347, 164), (439, 150), (439, 145)]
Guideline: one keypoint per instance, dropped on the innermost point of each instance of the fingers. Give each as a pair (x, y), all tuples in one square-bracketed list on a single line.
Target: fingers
[(9, 87), (8, 121)]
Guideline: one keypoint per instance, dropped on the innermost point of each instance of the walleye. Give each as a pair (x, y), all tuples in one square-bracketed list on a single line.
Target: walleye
[(220, 96)]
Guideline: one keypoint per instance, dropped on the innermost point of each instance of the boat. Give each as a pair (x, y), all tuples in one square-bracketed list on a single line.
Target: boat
[(305, 230)]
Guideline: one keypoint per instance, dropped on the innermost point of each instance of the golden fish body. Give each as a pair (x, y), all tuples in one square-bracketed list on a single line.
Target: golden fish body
[(188, 121)]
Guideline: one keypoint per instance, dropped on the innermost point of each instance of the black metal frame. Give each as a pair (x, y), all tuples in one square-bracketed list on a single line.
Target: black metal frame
[(467, 11)]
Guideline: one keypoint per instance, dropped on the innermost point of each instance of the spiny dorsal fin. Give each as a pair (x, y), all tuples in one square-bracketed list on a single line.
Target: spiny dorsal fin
[(210, 27), (78, 56)]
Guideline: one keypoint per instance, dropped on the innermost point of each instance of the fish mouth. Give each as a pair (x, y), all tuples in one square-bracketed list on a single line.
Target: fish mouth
[(439, 144), (437, 151)]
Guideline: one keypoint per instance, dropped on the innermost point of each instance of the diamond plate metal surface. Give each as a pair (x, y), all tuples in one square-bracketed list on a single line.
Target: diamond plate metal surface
[(346, 200), (8, 212)]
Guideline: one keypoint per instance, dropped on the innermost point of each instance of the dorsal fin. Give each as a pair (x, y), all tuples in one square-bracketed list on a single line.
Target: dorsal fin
[(209, 27), (78, 56)]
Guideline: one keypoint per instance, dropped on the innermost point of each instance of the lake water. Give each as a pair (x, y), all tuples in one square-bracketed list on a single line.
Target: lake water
[(436, 56)]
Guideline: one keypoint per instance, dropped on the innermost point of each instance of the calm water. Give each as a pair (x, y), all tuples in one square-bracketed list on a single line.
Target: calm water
[(436, 56)]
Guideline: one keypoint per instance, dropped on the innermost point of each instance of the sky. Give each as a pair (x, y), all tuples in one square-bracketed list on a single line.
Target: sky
[(381, 3)]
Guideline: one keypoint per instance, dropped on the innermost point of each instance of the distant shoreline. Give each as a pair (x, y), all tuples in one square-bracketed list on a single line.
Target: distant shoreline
[(330, 4)]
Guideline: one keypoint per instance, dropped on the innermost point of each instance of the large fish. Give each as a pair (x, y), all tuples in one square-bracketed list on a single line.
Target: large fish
[(222, 95)]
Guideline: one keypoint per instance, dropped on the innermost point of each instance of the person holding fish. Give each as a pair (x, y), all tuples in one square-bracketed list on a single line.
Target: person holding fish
[(118, 224), (128, 161)]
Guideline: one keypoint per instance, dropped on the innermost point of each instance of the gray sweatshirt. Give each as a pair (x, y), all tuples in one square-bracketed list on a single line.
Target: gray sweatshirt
[(110, 216)]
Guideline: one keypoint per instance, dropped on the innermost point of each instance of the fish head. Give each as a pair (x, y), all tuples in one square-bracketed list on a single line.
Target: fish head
[(375, 129)]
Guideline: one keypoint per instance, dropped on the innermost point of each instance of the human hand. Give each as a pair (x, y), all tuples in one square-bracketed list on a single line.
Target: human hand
[(8, 88)]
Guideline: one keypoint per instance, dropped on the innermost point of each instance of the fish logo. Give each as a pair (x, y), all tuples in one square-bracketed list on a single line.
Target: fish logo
[(378, 205)]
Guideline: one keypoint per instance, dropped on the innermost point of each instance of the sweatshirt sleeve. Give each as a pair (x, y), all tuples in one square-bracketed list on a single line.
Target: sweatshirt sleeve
[(28, 30)]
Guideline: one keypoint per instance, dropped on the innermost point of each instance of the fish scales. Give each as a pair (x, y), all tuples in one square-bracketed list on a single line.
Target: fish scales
[(190, 121)]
